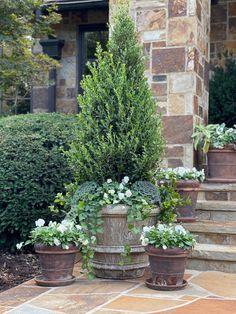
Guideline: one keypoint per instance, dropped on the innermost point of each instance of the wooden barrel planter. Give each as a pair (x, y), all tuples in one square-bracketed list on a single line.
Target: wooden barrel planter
[(56, 265), (108, 261), (167, 268), (222, 165), (188, 190)]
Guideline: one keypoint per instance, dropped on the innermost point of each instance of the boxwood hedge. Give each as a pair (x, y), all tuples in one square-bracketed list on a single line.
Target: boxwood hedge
[(33, 169)]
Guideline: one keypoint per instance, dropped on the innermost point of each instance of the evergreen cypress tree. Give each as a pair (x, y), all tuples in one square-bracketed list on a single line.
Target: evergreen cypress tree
[(119, 130)]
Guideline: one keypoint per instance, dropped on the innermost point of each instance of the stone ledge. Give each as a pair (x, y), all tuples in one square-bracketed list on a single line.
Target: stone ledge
[(216, 205), (212, 227)]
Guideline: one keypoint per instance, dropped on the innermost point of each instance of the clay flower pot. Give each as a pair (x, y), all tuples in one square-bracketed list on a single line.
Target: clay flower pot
[(56, 265), (222, 164), (188, 190), (167, 268)]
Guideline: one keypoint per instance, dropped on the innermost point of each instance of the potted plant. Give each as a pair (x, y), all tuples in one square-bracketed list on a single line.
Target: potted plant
[(56, 245), (168, 247), (218, 142), (187, 184), (112, 214)]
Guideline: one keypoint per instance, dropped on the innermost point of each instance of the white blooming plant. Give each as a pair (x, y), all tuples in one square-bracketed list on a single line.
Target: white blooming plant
[(181, 173), (166, 236), (62, 234)]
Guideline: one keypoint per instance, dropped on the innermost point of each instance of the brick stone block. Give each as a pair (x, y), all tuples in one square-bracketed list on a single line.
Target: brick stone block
[(219, 13), (177, 8), (218, 32), (181, 83), (182, 31), (178, 129), (159, 89), (232, 28), (176, 104), (175, 151), (151, 20), (216, 196), (232, 8), (173, 163), (168, 60)]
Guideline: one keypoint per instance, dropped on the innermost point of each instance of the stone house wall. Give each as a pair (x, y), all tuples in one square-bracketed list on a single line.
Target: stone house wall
[(175, 35), (223, 29)]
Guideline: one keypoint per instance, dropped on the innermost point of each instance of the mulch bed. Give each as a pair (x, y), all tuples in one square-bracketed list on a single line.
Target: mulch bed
[(16, 268)]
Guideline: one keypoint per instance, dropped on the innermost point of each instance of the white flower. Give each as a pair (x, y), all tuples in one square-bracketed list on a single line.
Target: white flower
[(52, 223), (66, 247), (85, 242), (56, 242), (68, 224), (116, 202), (105, 195), (161, 227), (93, 239), (164, 247), (121, 186), (19, 245), (145, 241), (40, 222), (109, 180), (121, 196), (125, 180), (112, 192), (180, 229), (78, 227), (128, 193), (61, 228)]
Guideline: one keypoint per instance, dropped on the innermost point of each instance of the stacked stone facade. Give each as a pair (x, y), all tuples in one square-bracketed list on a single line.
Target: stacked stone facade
[(175, 35), (223, 29)]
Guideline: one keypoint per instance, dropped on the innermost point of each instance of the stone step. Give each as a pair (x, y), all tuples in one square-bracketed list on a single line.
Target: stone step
[(213, 257), (212, 232), (216, 210), (217, 192)]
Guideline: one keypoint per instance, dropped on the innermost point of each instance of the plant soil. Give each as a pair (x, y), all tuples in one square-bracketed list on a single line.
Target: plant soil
[(16, 269)]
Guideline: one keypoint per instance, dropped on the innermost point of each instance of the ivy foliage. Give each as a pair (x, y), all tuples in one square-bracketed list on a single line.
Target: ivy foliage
[(33, 169), (119, 130), (222, 93)]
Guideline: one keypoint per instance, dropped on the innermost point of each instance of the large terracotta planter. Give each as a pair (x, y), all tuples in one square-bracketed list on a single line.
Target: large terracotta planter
[(167, 268), (222, 165), (188, 190), (56, 265), (108, 261)]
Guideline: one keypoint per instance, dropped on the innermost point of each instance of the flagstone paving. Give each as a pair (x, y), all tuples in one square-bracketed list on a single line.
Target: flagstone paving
[(207, 292)]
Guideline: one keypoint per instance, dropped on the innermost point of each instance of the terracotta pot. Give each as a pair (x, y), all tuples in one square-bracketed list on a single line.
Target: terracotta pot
[(56, 265), (188, 190), (108, 261), (222, 164), (167, 268)]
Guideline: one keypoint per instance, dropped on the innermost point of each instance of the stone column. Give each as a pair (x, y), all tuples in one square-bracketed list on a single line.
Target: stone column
[(175, 35)]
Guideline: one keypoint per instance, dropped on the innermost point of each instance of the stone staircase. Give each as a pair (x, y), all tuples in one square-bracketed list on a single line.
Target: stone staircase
[(215, 229)]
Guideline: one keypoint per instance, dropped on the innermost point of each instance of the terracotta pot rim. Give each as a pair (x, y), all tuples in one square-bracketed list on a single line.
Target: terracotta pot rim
[(171, 251), (42, 248), (229, 148)]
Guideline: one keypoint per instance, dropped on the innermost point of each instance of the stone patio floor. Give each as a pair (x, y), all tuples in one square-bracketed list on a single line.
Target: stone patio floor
[(208, 292)]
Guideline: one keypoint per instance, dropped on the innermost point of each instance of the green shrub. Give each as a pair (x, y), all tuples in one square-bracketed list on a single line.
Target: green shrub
[(119, 130), (222, 95), (33, 169)]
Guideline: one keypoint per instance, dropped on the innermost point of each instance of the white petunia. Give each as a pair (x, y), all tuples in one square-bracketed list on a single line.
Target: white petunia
[(109, 180), (40, 222), (61, 228), (105, 195), (161, 227), (19, 245), (121, 196), (145, 241), (112, 192), (128, 193), (116, 202), (180, 229), (121, 186), (164, 247), (78, 227), (67, 247), (56, 242), (52, 223), (125, 180)]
